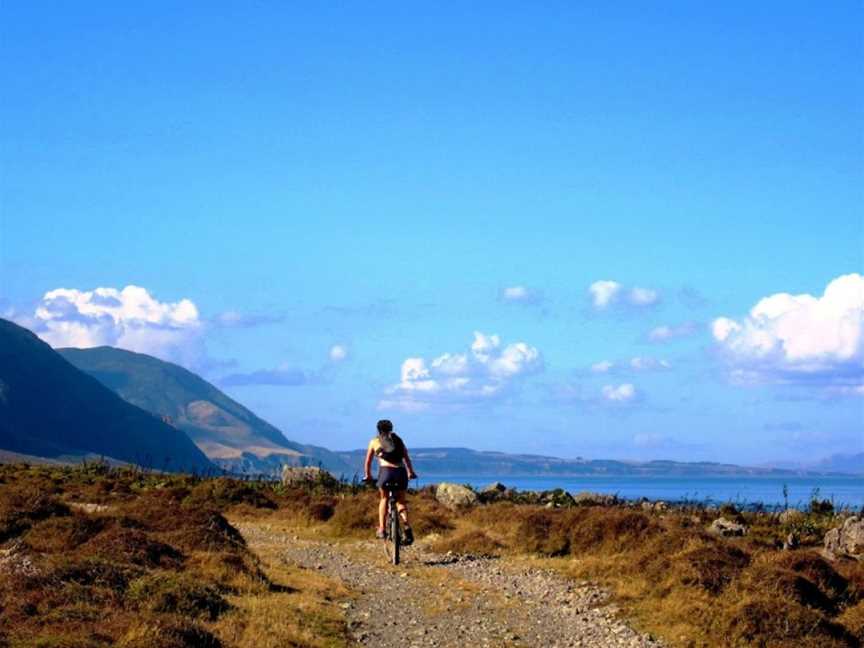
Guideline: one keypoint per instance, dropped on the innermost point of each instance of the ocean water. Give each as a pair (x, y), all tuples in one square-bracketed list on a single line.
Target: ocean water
[(843, 491)]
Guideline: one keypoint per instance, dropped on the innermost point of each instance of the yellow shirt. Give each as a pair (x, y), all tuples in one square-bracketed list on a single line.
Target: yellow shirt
[(375, 447)]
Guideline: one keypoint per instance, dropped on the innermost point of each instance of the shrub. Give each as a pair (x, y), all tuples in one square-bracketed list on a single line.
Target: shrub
[(168, 633), (475, 542), (177, 594), (777, 622), (135, 547), (355, 514), (222, 492), (58, 534), (543, 532), (19, 510), (711, 566)]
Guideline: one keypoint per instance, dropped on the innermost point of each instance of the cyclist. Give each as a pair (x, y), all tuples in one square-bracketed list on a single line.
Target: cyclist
[(393, 460)]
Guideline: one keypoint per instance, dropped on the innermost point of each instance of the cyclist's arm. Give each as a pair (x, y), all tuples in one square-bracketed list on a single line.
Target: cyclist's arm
[(367, 466), (408, 465)]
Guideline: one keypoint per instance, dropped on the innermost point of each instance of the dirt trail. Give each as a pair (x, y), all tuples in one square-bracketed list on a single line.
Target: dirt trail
[(435, 600)]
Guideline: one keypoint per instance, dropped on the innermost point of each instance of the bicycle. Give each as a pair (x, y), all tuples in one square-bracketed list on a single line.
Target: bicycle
[(392, 527)]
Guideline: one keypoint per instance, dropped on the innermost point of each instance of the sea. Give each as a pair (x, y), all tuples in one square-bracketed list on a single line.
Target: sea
[(745, 491)]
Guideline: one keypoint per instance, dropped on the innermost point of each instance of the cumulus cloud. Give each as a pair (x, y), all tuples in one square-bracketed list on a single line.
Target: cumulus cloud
[(667, 333), (607, 294), (338, 353), (621, 397), (130, 318), (486, 372), (800, 339), (623, 393), (521, 295)]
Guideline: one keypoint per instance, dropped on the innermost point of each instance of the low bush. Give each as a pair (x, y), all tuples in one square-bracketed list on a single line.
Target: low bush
[(168, 633), (177, 594), (474, 543)]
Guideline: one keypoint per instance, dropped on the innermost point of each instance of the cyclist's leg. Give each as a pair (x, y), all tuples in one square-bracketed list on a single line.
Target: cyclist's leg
[(401, 506), (382, 508)]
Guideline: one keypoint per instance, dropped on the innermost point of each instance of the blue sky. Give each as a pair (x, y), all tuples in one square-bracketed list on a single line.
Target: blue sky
[(375, 179)]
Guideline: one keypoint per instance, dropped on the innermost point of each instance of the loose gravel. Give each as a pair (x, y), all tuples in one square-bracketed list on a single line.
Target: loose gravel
[(437, 600)]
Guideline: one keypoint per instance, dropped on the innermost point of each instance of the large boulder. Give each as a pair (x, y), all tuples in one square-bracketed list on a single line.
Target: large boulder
[(294, 475), (847, 539), (727, 528), (455, 496)]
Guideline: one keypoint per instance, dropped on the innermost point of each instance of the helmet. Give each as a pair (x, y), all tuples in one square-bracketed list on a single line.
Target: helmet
[(384, 426)]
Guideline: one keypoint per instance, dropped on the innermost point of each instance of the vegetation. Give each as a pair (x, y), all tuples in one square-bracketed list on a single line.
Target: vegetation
[(95, 556), (98, 556)]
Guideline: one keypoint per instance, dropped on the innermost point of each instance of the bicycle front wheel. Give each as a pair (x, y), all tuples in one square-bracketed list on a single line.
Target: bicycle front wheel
[(395, 536)]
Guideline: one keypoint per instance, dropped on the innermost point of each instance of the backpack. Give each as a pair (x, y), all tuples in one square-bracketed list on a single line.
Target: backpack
[(392, 448)]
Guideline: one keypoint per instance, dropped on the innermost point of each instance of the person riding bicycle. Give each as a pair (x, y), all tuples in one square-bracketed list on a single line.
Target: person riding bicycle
[(393, 460)]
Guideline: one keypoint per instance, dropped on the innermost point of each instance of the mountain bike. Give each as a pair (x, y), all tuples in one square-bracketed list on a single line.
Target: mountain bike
[(393, 539)]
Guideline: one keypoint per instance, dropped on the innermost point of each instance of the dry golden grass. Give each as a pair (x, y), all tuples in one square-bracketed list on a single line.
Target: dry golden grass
[(301, 608), (164, 534)]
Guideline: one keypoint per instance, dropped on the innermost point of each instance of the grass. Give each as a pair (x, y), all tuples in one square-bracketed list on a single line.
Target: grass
[(159, 563), (94, 556)]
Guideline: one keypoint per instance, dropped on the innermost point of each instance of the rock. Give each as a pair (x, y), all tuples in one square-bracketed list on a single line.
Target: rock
[(89, 507), (727, 528), (654, 507), (587, 498), (455, 496), (790, 516), (847, 539), (557, 498), (292, 475), (494, 492), (791, 542)]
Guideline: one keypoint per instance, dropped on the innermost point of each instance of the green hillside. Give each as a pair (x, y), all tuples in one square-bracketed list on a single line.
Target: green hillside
[(228, 433), (49, 408)]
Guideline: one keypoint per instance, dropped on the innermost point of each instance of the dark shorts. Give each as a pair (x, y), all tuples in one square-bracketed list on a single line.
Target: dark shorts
[(395, 479)]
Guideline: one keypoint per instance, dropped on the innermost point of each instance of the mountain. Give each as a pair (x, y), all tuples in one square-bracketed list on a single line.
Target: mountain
[(476, 463), (228, 433), (49, 408), (852, 464)]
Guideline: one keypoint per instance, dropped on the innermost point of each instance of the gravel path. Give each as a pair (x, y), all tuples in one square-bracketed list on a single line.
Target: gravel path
[(435, 600)]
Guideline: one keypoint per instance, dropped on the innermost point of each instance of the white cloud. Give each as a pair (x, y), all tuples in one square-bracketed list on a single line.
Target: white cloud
[(636, 363), (602, 367), (338, 353), (648, 364), (486, 372), (521, 295), (644, 296), (800, 339), (606, 294), (668, 333), (130, 318), (623, 393)]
